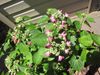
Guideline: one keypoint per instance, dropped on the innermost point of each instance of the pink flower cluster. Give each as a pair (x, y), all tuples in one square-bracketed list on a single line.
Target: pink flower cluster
[(63, 35), (15, 40)]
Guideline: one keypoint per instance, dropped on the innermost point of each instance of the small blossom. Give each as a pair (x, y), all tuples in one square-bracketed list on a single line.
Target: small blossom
[(18, 40), (63, 34), (52, 18), (59, 11), (50, 39), (30, 65), (47, 54), (68, 43), (60, 58), (48, 32), (67, 51), (14, 39), (66, 15), (62, 24), (29, 43), (48, 45)]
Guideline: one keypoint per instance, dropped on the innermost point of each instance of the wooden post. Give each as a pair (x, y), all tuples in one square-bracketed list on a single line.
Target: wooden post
[(94, 5)]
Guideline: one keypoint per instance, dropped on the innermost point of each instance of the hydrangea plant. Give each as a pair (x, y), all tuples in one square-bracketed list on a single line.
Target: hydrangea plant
[(55, 45)]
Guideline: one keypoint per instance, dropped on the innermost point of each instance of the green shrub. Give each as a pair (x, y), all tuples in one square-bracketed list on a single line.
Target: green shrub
[(52, 46)]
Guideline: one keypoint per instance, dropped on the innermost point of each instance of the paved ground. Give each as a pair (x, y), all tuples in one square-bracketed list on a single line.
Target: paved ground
[(95, 26)]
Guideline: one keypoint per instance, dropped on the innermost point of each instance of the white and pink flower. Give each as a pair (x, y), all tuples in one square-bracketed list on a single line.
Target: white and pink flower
[(60, 58), (48, 32), (67, 51), (68, 43), (47, 54), (52, 18), (50, 39), (63, 35), (62, 24), (48, 45), (66, 15)]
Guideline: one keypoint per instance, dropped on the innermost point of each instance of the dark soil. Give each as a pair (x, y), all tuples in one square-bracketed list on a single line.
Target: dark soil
[(3, 32)]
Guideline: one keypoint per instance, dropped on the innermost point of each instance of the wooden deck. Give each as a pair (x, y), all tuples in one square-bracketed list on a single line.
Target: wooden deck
[(11, 9)]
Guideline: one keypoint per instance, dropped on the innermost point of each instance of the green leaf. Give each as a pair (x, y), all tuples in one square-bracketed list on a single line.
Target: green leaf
[(13, 54), (30, 26), (96, 38), (86, 40), (64, 73), (23, 69), (38, 38), (84, 55), (45, 67), (43, 19), (20, 73), (73, 39), (7, 45), (3, 73), (79, 15), (23, 48), (77, 25), (25, 18), (76, 64), (52, 11), (38, 56), (90, 19), (50, 26), (83, 33), (29, 58), (68, 21)]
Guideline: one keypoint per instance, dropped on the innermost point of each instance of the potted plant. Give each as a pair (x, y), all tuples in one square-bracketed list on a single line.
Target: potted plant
[(54, 45)]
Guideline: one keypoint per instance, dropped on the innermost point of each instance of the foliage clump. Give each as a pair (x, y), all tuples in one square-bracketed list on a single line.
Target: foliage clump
[(55, 45)]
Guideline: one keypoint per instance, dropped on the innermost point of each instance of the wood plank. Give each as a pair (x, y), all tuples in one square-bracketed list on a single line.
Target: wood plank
[(53, 4), (16, 7), (6, 21), (4, 1), (30, 13), (77, 6)]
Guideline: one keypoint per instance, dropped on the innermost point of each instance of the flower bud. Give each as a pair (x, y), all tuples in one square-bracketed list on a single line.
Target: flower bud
[(60, 58), (68, 43), (67, 51), (14, 39), (52, 18), (50, 39), (18, 40), (48, 32), (47, 54), (63, 35), (62, 24), (66, 15), (29, 43), (48, 45)]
